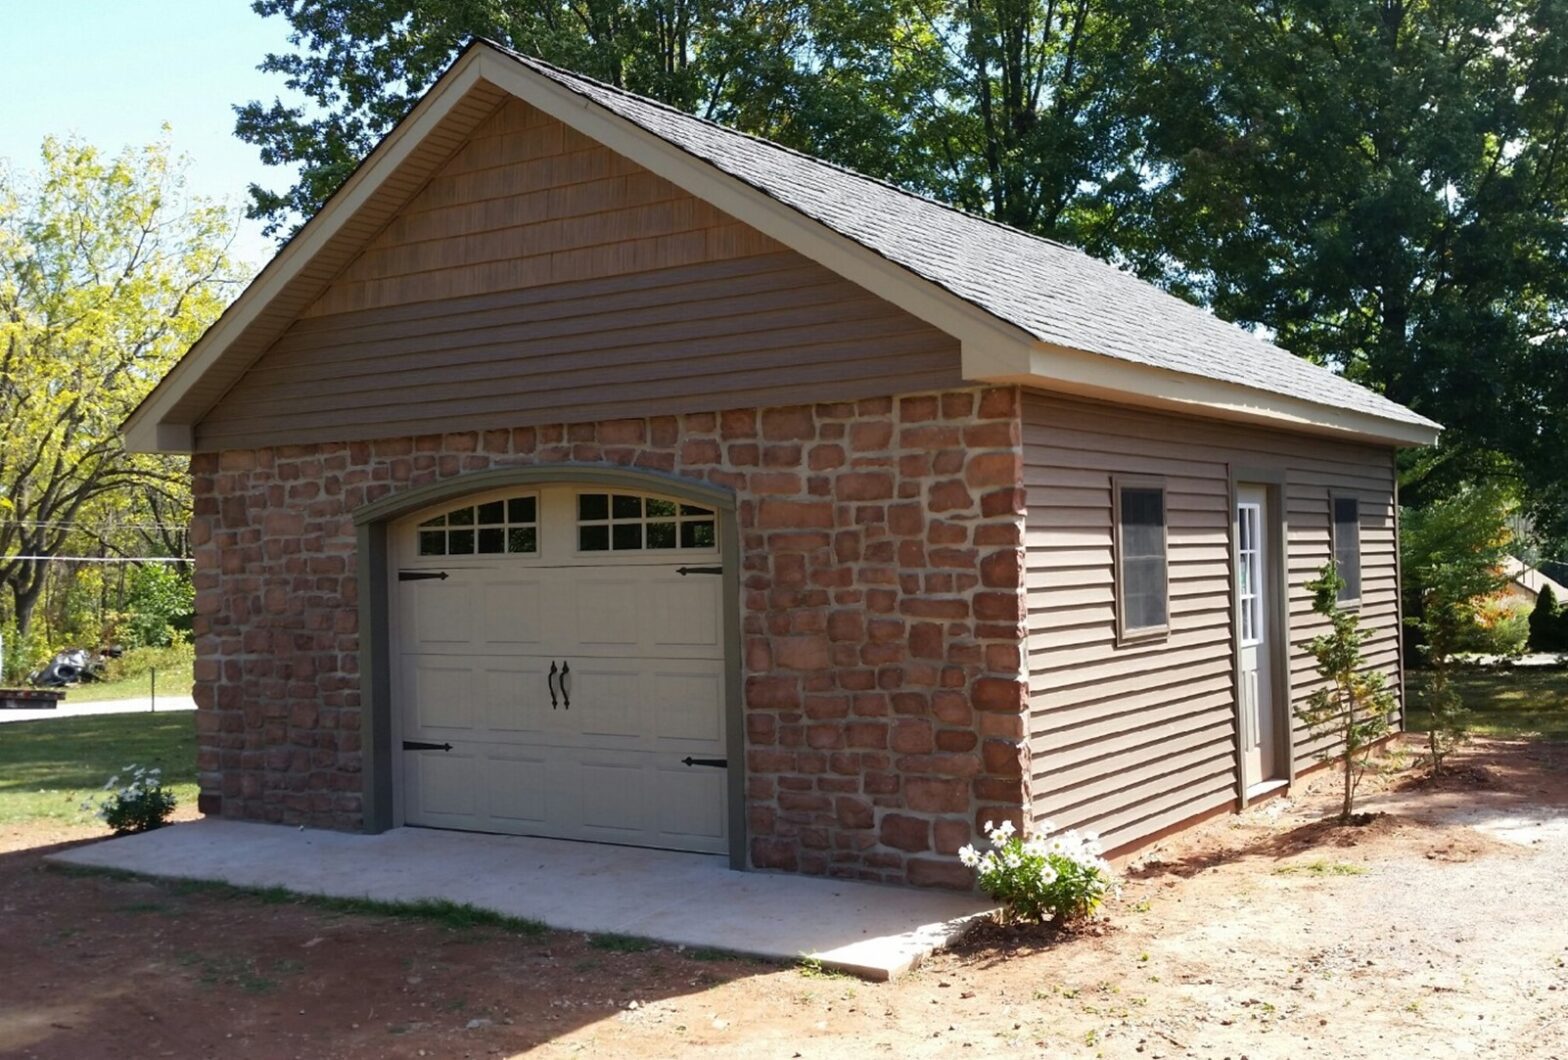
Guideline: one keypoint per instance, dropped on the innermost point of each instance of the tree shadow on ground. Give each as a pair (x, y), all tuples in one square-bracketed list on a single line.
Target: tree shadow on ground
[(103, 964)]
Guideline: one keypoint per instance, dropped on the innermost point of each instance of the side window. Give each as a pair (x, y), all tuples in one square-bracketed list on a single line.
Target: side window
[(628, 522), (492, 528), (1142, 573), (1347, 547)]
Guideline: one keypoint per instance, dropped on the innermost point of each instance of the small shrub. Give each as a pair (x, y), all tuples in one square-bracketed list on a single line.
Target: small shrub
[(1501, 627), (1546, 623), (138, 662), (159, 605), (1353, 706), (1043, 877), (140, 806)]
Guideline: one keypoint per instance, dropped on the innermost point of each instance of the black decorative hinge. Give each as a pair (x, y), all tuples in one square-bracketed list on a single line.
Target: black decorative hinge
[(718, 763), (420, 745), (421, 575), (683, 571)]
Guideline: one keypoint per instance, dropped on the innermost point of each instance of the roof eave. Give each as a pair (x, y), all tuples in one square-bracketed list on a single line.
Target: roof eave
[(149, 428), (1077, 372)]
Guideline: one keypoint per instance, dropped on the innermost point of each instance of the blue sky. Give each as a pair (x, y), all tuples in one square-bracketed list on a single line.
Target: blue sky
[(114, 70)]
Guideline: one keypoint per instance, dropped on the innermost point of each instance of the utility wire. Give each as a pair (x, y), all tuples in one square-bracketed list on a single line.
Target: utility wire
[(103, 559)]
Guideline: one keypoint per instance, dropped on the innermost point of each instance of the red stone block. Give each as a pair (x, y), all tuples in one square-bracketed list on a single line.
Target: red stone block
[(999, 403), (948, 496), (998, 694), (903, 832)]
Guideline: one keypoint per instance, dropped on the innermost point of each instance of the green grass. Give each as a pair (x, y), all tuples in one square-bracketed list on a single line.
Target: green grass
[(48, 767), (455, 916), (173, 682), (1507, 703), (621, 943), (1322, 868)]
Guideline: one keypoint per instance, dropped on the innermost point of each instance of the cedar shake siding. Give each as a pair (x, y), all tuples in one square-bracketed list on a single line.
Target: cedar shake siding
[(1132, 739), (539, 276)]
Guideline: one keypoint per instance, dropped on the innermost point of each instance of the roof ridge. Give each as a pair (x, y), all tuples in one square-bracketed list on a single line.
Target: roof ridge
[(804, 155)]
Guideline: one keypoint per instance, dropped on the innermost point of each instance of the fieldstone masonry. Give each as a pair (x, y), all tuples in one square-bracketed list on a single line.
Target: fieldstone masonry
[(883, 616)]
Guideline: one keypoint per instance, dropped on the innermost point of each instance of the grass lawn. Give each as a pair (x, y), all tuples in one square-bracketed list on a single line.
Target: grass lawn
[(175, 681), (48, 767), (1509, 702)]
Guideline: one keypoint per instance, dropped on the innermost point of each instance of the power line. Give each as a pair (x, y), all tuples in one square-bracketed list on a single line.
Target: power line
[(103, 559)]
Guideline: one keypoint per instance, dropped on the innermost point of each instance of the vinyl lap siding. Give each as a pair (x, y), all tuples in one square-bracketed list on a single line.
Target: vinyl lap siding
[(1126, 741), (540, 277)]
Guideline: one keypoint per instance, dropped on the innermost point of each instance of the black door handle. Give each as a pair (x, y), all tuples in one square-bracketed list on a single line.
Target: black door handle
[(550, 680), (566, 690)]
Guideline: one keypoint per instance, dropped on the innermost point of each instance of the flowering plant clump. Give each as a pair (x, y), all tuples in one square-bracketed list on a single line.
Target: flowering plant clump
[(140, 806), (1043, 877)]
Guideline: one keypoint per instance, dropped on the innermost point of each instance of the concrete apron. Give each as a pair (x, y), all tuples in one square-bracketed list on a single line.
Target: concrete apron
[(867, 929)]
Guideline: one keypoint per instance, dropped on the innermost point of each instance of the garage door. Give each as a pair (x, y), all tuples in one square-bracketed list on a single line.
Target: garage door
[(560, 668)]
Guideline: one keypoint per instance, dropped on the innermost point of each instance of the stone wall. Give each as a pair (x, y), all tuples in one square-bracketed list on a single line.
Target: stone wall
[(883, 616)]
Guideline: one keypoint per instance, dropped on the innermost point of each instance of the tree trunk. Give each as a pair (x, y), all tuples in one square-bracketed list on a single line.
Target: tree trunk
[(25, 592)]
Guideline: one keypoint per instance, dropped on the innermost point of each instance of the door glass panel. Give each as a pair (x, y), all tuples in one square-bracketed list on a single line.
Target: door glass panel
[(1249, 561), (629, 522), (491, 528)]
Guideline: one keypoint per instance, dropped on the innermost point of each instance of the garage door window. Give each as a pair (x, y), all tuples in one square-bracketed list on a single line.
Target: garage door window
[(508, 526), (629, 522)]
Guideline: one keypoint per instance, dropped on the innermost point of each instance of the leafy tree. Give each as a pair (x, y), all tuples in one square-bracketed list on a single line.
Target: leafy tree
[(108, 271), (160, 604), (1452, 554), (1005, 107), (1351, 710), (1385, 187)]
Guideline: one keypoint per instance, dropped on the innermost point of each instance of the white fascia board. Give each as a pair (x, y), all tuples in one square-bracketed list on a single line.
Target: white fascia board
[(146, 430), (1064, 370)]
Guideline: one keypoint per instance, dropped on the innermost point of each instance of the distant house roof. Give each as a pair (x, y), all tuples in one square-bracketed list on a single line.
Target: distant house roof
[(1532, 580), (1027, 310)]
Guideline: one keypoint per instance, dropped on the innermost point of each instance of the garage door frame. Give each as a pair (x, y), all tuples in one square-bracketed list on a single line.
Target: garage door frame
[(372, 522)]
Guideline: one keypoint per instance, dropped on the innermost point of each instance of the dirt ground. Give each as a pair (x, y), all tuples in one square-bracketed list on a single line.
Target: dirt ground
[(1436, 931)]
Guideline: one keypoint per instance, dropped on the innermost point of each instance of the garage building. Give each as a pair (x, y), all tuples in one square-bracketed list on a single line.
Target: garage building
[(584, 469)]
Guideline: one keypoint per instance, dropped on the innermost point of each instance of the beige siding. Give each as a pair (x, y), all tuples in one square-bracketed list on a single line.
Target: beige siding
[(537, 277), (1127, 740)]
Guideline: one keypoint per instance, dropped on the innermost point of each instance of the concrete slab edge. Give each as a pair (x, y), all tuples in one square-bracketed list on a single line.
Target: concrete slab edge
[(856, 960)]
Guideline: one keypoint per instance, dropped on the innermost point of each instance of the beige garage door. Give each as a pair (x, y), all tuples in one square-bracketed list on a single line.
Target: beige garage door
[(560, 668)]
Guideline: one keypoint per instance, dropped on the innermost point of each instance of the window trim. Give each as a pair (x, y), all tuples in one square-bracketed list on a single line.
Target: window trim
[(1140, 634), (1348, 602)]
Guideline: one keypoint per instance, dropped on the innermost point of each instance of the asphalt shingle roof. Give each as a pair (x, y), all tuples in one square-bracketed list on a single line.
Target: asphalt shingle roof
[(1056, 293)]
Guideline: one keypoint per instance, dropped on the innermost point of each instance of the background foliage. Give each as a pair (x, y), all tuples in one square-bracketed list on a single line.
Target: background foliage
[(108, 271), (1382, 185)]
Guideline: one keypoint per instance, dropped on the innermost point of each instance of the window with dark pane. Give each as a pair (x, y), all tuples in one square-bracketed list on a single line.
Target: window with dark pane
[(1347, 546), (1142, 574), (626, 522), (492, 528)]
